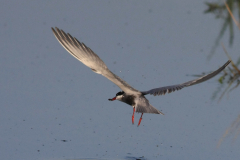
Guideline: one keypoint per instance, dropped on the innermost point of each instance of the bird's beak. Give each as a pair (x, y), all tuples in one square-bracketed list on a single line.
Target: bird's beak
[(112, 99)]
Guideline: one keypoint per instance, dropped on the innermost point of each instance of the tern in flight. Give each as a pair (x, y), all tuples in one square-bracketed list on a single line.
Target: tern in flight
[(128, 95)]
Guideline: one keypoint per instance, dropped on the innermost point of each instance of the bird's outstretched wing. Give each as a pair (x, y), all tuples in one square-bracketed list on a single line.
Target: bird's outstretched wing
[(169, 89), (84, 54)]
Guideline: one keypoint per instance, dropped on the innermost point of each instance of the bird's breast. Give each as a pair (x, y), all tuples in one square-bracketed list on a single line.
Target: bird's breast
[(129, 99)]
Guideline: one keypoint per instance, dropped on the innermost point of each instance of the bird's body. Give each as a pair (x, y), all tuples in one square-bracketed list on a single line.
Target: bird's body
[(128, 95)]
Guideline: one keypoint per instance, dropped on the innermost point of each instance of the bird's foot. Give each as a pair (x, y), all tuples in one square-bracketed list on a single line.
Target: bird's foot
[(140, 120), (133, 115)]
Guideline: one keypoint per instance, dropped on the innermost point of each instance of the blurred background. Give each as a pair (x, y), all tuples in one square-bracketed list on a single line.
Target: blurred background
[(54, 107)]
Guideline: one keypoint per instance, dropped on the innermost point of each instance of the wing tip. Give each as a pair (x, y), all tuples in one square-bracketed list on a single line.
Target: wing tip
[(54, 29), (227, 63), (159, 112)]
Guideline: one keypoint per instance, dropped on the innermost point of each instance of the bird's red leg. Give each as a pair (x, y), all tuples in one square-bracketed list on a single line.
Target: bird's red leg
[(133, 115), (140, 119)]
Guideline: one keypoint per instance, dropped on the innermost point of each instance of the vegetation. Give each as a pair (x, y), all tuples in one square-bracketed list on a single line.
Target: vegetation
[(230, 79)]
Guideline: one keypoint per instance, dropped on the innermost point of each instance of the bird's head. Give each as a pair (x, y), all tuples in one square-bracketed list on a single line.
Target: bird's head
[(119, 96)]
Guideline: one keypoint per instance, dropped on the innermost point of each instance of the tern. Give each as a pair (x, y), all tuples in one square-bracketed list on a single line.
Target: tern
[(128, 95)]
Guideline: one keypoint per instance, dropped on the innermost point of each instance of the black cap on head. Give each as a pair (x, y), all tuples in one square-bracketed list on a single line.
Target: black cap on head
[(120, 93)]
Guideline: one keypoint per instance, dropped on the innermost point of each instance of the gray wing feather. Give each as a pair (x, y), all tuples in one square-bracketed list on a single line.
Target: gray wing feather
[(84, 54), (169, 89), (143, 106)]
